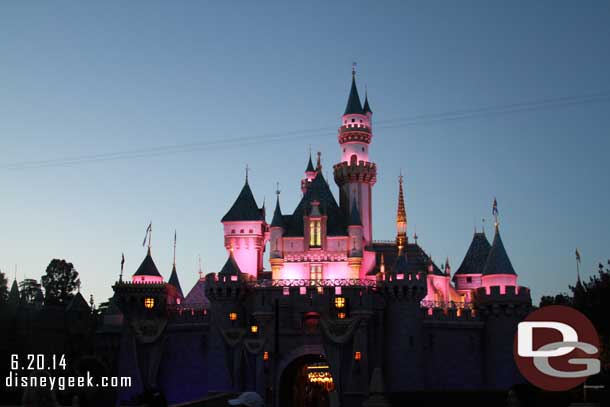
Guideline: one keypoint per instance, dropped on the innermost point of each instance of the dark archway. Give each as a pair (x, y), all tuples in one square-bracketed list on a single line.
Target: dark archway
[(306, 382)]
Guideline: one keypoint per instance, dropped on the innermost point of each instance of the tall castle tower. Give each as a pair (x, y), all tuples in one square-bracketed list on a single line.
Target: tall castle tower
[(355, 174)]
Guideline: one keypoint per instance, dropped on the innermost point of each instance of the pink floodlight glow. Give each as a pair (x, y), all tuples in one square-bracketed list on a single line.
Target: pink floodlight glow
[(147, 279)]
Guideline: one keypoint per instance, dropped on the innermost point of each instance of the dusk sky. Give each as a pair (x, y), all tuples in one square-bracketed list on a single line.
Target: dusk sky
[(113, 114)]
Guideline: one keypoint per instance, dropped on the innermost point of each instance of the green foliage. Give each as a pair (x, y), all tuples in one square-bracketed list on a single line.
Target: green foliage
[(559, 299), (60, 282), (31, 292), (3, 289), (592, 298)]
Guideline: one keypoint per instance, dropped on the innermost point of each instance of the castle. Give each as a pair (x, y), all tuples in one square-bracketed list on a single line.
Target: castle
[(338, 315)]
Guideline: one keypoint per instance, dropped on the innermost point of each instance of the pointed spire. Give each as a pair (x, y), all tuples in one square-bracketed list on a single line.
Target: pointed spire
[(148, 267), (476, 256), (244, 207), (401, 218), (309, 164), (353, 101), (173, 278), (278, 219), (319, 163), (200, 271), (498, 261), (367, 107), (230, 267), (447, 267)]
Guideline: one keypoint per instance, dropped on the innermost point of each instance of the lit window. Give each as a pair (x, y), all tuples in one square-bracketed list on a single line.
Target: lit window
[(341, 315), (149, 302), (469, 279), (265, 356), (315, 272), (357, 356), (254, 329), (339, 302), (315, 233), (233, 316)]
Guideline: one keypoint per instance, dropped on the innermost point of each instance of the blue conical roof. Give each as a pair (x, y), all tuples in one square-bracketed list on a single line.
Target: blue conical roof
[(244, 207), (353, 101), (498, 261)]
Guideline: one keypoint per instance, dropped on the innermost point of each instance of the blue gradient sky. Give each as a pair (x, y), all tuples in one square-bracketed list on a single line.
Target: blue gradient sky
[(79, 80)]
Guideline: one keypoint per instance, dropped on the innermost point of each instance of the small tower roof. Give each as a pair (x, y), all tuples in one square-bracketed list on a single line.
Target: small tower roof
[(78, 303), (353, 101), (148, 267), (367, 107), (278, 219), (230, 268), (173, 280), (498, 261), (354, 217), (476, 256), (309, 165), (244, 207)]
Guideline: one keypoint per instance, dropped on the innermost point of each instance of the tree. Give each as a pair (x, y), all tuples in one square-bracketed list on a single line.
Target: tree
[(60, 282), (559, 299), (30, 290), (3, 289)]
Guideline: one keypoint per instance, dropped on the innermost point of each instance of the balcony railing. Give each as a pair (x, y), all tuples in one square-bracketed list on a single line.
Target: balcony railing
[(339, 282), (445, 304)]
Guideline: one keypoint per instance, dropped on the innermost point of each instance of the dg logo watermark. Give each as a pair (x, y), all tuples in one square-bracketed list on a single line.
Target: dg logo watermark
[(556, 348)]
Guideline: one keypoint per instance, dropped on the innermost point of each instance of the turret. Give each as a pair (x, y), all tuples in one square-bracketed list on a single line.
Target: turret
[(174, 281), (310, 174), (355, 174), (147, 273), (277, 232), (244, 230), (498, 269), (468, 276)]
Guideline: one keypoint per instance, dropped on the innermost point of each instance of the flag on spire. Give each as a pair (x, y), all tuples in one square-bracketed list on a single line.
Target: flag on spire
[(577, 256), (146, 236)]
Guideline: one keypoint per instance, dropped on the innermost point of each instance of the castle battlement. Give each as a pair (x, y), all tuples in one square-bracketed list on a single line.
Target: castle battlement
[(502, 296)]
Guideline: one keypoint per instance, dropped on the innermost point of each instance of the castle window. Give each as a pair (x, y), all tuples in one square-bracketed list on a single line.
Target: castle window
[(233, 316), (149, 302), (315, 272), (232, 230), (353, 120), (469, 279), (251, 230), (241, 231), (315, 233), (339, 302)]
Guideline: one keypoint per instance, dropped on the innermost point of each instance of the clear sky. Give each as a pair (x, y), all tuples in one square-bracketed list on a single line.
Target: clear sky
[(125, 81)]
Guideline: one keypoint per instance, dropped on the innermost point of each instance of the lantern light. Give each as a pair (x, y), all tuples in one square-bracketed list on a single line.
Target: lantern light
[(341, 315), (149, 302), (233, 316), (357, 356), (265, 356), (254, 329), (339, 302)]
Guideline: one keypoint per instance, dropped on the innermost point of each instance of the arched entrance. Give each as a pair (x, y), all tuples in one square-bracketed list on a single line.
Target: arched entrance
[(306, 382)]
